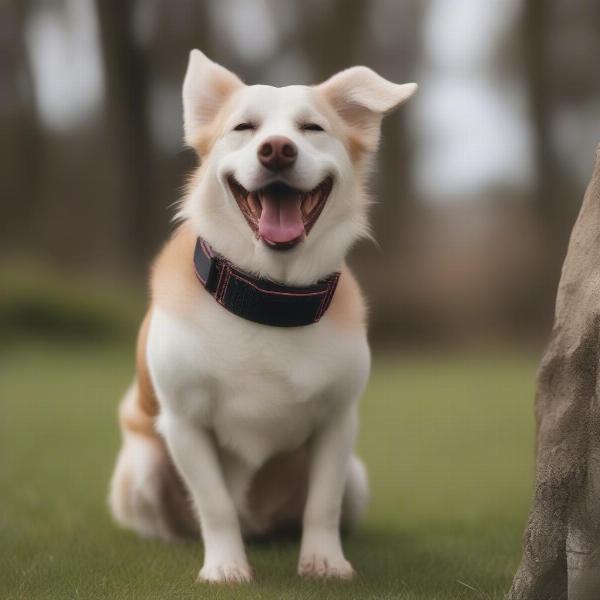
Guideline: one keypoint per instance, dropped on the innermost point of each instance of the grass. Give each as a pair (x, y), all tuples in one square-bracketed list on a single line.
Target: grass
[(448, 443)]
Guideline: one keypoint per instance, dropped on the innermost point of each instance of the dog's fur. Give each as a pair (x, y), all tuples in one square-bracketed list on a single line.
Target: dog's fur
[(256, 423)]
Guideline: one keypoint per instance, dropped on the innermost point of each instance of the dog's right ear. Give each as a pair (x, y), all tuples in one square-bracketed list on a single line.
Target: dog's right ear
[(362, 98), (206, 87)]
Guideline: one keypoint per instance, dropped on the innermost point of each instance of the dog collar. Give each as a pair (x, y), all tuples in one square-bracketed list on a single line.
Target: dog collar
[(261, 300)]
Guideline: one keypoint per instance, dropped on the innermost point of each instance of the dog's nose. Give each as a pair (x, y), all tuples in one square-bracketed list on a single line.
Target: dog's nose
[(277, 153)]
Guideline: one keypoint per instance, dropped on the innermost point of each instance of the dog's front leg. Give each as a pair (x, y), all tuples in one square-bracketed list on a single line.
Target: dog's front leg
[(194, 453), (321, 553)]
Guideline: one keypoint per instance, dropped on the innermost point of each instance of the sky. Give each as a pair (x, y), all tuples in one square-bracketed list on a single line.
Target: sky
[(472, 129), (64, 54)]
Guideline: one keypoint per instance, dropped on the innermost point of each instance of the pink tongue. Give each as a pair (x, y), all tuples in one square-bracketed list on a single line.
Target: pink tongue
[(281, 217)]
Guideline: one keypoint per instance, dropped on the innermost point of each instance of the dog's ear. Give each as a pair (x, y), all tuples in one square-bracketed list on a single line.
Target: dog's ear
[(362, 97), (206, 87)]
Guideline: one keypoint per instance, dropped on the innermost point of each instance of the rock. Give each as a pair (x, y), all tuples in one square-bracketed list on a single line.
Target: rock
[(561, 543)]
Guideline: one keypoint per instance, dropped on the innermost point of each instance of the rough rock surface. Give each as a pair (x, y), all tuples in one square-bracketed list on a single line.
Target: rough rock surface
[(561, 544)]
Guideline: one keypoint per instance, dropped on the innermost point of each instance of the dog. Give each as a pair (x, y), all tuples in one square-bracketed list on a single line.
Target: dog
[(253, 354)]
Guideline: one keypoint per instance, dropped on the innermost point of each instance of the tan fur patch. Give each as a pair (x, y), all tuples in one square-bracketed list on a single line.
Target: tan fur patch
[(355, 145), (347, 309), (356, 149), (139, 406), (173, 282), (146, 397), (133, 416), (207, 136), (175, 288), (277, 494)]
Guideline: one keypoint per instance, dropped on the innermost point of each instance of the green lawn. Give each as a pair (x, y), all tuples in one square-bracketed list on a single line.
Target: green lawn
[(448, 443)]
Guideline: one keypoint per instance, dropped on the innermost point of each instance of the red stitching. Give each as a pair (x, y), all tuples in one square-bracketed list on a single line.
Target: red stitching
[(334, 283), (221, 275), (199, 276), (325, 305), (226, 284), (206, 249), (321, 309)]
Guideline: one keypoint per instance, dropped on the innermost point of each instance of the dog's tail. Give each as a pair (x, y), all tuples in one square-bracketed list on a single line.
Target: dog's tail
[(147, 494)]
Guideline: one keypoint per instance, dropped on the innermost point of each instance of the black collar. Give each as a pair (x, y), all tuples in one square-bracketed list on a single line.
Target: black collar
[(261, 300)]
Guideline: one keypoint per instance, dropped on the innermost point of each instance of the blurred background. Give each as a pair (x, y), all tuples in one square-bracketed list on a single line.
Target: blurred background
[(479, 180), (480, 176)]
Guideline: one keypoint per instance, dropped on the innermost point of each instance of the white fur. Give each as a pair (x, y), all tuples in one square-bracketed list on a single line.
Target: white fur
[(266, 393), (233, 393)]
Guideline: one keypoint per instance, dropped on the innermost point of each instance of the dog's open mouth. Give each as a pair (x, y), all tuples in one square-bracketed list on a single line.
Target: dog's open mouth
[(280, 215)]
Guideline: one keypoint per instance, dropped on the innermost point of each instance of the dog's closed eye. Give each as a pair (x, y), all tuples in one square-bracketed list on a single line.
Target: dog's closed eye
[(244, 127), (311, 127)]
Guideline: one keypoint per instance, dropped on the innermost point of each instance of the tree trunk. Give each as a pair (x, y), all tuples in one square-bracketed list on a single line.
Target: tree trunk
[(555, 186), (561, 544), (129, 135), (21, 152), (323, 36)]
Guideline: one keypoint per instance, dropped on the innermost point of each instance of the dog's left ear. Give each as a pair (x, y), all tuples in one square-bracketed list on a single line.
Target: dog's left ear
[(362, 98), (206, 87)]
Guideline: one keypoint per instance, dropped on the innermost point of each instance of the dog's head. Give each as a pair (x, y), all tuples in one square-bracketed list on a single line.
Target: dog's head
[(280, 188)]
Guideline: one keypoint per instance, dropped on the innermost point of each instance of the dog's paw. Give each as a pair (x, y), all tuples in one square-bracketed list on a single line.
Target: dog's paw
[(320, 566), (226, 572)]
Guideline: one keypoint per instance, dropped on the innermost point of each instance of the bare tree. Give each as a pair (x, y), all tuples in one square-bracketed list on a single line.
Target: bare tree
[(547, 87), (129, 136), (21, 152)]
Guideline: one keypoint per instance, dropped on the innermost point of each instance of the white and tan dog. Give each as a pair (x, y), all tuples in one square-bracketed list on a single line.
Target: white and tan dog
[(256, 423)]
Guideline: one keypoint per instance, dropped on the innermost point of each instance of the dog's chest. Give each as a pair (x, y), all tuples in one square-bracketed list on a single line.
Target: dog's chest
[(262, 390)]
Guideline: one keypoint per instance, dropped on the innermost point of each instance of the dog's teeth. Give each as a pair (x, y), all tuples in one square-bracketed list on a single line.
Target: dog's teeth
[(254, 204), (309, 202)]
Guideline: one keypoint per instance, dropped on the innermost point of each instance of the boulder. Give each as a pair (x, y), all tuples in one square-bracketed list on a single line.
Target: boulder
[(561, 543)]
